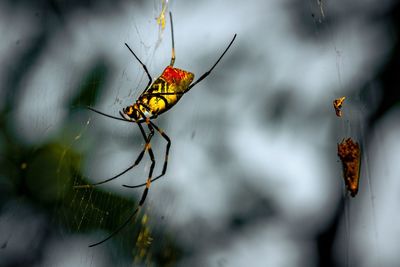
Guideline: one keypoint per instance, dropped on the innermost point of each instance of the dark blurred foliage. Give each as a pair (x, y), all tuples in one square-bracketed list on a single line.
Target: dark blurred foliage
[(34, 173), (387, 79), (44, 175), (379, 95)]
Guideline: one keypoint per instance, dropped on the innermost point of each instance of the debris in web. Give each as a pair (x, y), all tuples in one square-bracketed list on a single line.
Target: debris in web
[(161, 17), (349, 153), (337, 104), (321, 8)]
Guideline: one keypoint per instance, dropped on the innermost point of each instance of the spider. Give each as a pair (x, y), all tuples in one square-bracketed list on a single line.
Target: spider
[(157, 98)]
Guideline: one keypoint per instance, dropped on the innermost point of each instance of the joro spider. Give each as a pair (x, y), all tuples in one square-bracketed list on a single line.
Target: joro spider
[(158, 97)]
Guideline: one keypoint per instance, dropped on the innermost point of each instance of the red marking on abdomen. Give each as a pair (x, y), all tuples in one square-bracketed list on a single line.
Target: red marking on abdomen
[(173, 75)]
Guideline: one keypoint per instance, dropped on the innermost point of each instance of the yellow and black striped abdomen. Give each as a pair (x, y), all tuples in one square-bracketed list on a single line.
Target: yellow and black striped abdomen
[(166, 90)]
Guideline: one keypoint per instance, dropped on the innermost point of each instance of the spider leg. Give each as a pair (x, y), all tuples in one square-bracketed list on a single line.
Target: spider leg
[(137, 161), (215, 64), (145, 191), (143, 65), (116, 230), (173, 42), (164, 170), (153, 161), (113, 117), (109, 116)]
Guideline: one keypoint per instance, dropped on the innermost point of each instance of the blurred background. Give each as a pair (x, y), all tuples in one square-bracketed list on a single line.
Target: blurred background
[(253, 176)]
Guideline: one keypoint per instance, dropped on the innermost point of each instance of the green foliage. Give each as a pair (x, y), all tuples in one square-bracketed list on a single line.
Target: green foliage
[(92, 85), (43, 176)]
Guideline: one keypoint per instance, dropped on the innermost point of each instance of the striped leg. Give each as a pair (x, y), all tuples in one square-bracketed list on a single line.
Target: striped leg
[(164, 170), (215, 64), (137, 161), (146, 190)]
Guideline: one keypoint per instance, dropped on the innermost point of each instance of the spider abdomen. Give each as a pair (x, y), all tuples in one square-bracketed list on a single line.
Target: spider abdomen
[(166, 90)]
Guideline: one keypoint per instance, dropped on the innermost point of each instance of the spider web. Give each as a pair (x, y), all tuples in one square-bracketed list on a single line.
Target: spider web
[(351, 249), (66, 157), (108, 206), (253, 152)]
